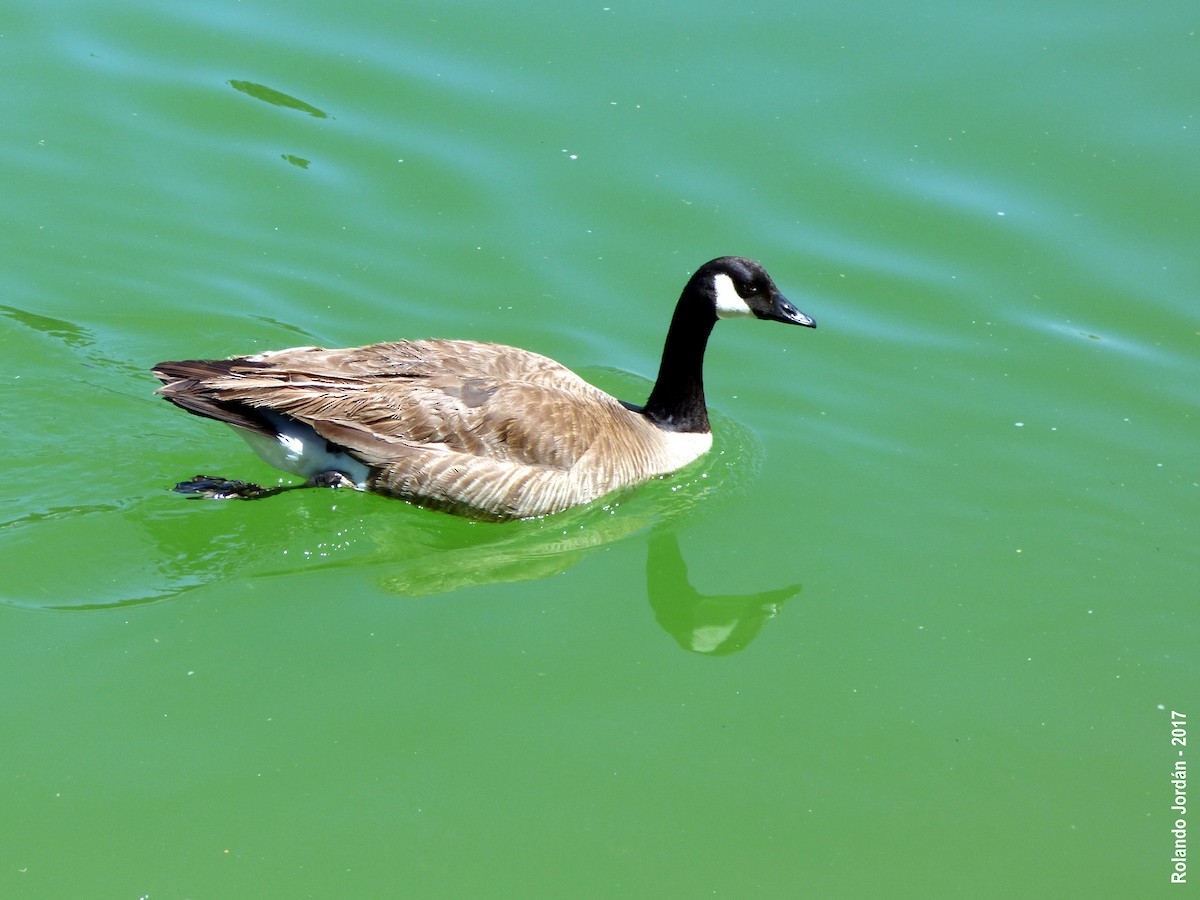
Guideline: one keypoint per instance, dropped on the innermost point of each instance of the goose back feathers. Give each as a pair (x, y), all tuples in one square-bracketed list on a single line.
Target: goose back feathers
[(470, 427)]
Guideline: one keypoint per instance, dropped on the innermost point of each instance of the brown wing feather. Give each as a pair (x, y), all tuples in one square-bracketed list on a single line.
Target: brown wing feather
[(467, 397)]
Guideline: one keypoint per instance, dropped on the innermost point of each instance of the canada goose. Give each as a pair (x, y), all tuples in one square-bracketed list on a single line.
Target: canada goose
[(469, 427)]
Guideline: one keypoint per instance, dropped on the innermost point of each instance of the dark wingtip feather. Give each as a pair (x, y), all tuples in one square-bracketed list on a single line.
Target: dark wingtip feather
[(185, 385), (193, 369)]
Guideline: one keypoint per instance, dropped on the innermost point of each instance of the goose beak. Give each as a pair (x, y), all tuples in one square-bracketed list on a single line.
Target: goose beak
[(783, 311)]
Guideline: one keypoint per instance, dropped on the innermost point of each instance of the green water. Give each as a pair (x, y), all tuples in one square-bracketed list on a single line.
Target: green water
[(914, 629)]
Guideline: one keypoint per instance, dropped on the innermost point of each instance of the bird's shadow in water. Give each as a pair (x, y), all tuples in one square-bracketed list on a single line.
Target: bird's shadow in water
[(711, 624), (707, 624)]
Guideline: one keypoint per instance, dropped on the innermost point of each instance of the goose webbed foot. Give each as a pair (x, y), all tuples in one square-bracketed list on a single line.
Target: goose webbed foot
[(210, 487)]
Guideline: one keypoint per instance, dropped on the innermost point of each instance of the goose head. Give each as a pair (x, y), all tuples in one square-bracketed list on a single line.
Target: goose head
[(740, 287), (728, 287)]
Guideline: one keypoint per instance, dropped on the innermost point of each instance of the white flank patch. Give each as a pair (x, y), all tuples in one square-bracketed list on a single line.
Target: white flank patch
[(730, 304), (300, 450)]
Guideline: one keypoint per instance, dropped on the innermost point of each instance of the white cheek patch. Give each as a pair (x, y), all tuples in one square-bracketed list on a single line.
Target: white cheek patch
[(730, 304)]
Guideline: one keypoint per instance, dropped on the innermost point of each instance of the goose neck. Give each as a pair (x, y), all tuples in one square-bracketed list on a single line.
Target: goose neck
[(677, 401)]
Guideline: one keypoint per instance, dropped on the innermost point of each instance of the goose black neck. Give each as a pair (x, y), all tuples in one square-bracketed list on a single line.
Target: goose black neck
[(677, 401)]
